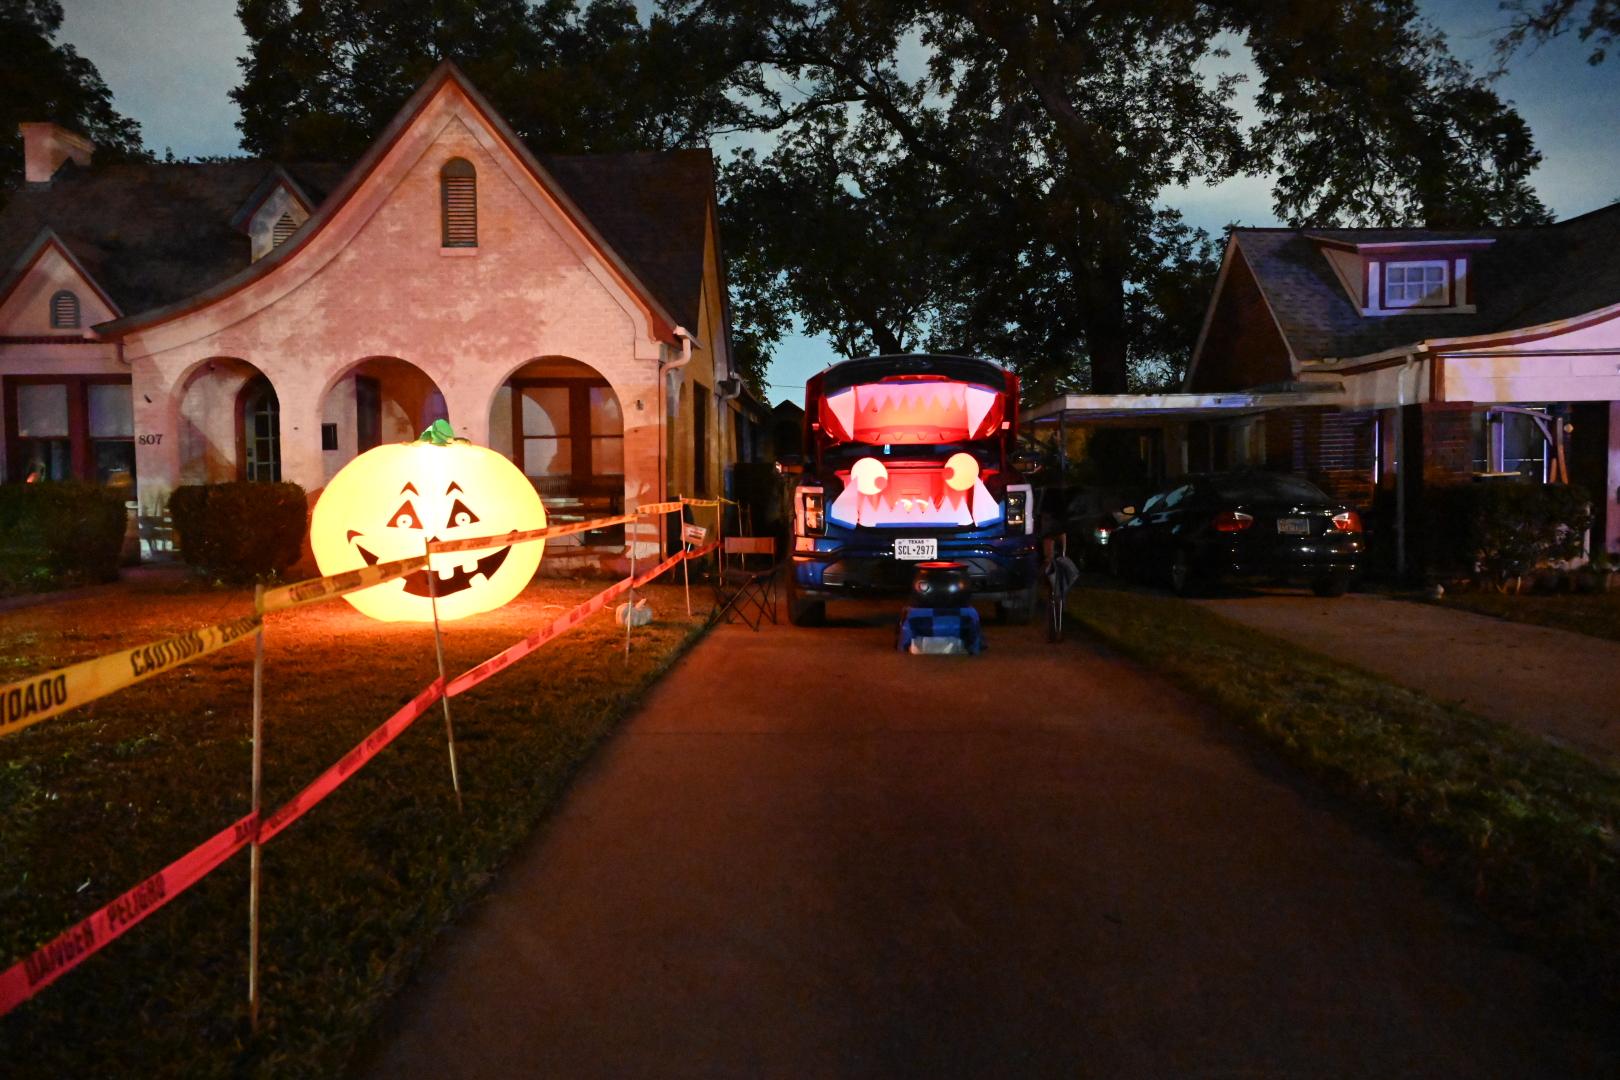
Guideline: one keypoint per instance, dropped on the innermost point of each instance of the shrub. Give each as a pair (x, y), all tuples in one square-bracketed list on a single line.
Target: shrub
[(1494, 531), (59, 533), (240, 532)]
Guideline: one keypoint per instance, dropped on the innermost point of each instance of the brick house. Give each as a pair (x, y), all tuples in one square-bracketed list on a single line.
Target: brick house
[(1341, 353), (172, 323)]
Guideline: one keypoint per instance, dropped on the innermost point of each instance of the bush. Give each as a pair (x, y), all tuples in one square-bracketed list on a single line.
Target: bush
[(59, 533), (1494, 531), (240, 532)]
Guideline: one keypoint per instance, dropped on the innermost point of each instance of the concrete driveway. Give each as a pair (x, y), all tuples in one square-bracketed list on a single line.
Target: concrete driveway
[(1558, 684), (809, 856)]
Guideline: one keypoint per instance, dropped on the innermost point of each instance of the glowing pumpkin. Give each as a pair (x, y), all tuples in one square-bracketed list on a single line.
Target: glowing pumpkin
[(385, 503)]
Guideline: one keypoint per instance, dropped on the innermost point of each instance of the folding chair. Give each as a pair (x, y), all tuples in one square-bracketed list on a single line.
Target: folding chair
[(749, 593)]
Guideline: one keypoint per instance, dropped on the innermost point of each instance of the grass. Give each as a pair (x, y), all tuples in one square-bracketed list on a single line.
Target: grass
[(354, 892), (1593, 614), (1527, 829)]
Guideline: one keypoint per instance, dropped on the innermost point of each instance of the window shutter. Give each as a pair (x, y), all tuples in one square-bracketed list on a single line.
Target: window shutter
[(65, 311), (458, 187), (284, 228)]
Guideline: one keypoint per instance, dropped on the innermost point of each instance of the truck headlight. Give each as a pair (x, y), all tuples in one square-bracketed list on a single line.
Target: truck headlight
[(810, 509)]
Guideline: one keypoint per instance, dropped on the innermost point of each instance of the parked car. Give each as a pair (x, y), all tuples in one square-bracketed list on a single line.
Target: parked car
[(1089, 521), (1245, 524)]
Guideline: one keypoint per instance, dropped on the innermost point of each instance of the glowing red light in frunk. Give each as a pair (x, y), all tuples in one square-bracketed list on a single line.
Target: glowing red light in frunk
[(911, 410), (1228, 521), (1347, 521)]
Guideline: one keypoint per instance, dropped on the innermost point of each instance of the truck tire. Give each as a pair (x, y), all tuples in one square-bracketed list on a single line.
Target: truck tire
[(803, 612)]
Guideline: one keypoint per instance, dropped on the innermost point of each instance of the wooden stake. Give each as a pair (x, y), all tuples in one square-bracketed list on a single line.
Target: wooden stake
[(444, 680), (254, 875)]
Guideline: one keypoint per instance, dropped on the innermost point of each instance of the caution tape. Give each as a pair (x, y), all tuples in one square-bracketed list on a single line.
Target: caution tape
[(350, 763), (659, 508), (698, 553), (28, 701), (648, 577), (314, 590), (515, 652), (77, 944), (710, 503), (550, 532)]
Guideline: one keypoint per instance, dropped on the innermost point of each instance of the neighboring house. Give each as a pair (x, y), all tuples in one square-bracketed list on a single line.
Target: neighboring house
[(1342, 353), (164, 324)]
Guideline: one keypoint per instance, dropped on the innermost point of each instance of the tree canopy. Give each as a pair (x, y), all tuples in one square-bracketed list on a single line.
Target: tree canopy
[(1542, 20), (1000, 179), (41, 80)]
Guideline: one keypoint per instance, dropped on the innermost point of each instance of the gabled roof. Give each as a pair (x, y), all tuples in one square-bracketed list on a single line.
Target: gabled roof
[(162, 237), (1528, 276), (277, 177), (46, 241)]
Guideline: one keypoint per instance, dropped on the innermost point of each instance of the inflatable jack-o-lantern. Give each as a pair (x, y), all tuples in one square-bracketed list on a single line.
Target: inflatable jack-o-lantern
[(387, 502)]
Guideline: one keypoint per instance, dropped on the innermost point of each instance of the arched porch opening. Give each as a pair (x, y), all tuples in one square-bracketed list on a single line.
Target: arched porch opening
[(561, 422), (381, 399), (230, 423)]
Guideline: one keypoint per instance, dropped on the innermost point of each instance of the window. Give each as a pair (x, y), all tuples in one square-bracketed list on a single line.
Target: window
[(1415, 284), (70, 428), (284, 228), (65, 311), (568, 438), (458, 196), (261, 431)]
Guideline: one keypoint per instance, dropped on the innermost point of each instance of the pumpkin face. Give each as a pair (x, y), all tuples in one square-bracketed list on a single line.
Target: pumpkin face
[(387, 502)]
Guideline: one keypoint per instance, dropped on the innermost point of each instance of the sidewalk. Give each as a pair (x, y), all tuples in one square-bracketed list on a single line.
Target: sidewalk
[(1565, 686)]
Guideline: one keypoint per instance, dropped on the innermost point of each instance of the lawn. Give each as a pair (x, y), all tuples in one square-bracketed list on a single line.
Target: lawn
[(1595, 614), (1525, 829), (355, 891)]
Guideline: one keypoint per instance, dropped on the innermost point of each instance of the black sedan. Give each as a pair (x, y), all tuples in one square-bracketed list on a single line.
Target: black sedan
[(1248, 524)]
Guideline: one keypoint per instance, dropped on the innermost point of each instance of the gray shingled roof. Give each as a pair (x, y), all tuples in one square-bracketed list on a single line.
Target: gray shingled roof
[(157, 233), (1530, 275)]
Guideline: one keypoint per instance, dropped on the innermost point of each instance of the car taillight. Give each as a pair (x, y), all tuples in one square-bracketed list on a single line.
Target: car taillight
[(810, 505), (1101, 534), (1229, 521), (1347, 521)]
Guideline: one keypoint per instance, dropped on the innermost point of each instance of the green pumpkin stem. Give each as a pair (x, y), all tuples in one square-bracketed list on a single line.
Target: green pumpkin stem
[(440, 433)]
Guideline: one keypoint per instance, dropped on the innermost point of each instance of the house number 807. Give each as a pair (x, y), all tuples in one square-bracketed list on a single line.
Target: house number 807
[(150, 440)]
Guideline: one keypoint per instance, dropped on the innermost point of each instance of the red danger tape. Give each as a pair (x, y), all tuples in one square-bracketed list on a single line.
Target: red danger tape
[(350, 763), (698, 553), (513, 653), (647, 578), (74, 946)]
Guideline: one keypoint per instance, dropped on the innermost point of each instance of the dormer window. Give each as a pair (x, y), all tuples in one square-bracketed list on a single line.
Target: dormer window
[(458, 191), (65, 311), (1416, 284), (284, 228)]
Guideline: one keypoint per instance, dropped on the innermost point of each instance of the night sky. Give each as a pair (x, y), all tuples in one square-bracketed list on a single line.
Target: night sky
[(170, 64)]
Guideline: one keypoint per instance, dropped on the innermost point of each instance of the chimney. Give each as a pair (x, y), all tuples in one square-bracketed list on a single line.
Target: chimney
[(47, 146)]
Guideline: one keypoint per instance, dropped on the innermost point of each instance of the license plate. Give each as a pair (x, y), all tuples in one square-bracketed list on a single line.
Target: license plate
[(913, 550), (1294, 526)]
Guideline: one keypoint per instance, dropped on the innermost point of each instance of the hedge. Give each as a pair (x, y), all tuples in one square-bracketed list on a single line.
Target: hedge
[(1494, 530), (240, 532), (59, 533)]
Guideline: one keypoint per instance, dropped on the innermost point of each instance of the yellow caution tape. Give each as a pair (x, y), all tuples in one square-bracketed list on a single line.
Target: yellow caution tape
[(548, 533), (28, 701), (325, 588), (660, 508)]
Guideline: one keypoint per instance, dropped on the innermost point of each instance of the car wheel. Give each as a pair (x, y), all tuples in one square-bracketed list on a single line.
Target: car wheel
[(1182, 579), (1331, 585), (1018, 611)]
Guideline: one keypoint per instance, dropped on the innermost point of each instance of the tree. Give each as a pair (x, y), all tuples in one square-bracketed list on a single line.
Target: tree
[(1037, 139), (1543, 21), (41, 80), (322, 77)]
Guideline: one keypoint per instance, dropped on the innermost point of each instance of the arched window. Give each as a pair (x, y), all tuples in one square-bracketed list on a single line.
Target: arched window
[(285, 226), (458, 196), (65, 311)]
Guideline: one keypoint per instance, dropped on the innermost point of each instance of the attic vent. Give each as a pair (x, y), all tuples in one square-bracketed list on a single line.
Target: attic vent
[(285, 227), (458, 190), (65, 311)]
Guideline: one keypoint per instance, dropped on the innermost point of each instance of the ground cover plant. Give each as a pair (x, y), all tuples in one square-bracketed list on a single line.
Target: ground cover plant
[(1595, 614), (1526, 829), (59, 534), (355, 891)]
